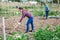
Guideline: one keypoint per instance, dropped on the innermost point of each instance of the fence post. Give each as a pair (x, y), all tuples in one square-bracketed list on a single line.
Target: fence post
[(3, 28)]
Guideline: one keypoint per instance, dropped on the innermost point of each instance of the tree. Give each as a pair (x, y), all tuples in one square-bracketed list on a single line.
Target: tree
[(55, 1), (15, 0), (58, 1)]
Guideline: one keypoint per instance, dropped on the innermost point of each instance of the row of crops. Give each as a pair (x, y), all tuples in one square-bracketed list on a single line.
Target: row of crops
[(10, 10)]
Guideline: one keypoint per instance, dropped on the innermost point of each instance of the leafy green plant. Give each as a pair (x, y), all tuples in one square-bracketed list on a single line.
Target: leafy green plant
[(45, 34), (9, 37), (22, 37)]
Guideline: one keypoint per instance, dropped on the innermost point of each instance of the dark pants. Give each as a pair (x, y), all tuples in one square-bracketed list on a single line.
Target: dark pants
[(47, 12), (30, 21)]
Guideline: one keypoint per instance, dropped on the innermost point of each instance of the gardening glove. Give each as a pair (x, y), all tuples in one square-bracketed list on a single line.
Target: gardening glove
[(19, 23)]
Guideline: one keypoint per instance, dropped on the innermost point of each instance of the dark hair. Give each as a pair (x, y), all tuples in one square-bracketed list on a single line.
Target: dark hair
[(20, 8)]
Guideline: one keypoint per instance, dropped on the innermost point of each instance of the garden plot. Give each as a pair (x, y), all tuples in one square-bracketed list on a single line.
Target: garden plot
[(10, 23)]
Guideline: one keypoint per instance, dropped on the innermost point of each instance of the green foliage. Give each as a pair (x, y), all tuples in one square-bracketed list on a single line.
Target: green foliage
[(41, 34), (9, 11), (38, 0), (27, 7), (0, 9), (38, 13), (20, 36), (8, 37), (23, 37), (15, 0), (6, 12), (1, 37), (55, 13), (55, 1), (47, 34), (30, 7)]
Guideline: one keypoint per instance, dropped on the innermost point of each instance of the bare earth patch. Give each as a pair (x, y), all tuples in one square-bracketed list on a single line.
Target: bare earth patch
[(10, 23)]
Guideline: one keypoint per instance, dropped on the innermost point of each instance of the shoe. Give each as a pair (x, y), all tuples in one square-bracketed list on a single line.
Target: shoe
[(30, 31)]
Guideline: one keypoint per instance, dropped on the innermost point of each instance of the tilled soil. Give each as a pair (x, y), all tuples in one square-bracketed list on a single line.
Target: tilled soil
[(39, 22)]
